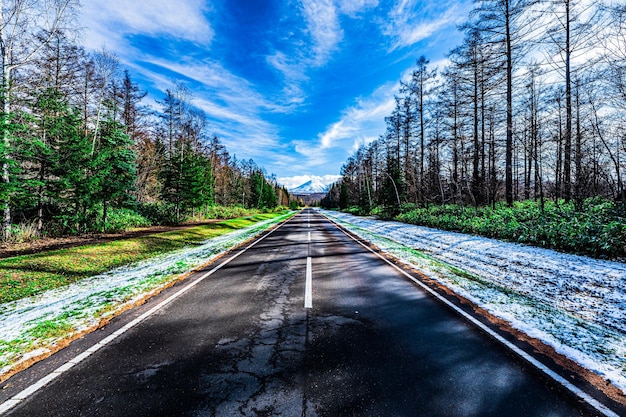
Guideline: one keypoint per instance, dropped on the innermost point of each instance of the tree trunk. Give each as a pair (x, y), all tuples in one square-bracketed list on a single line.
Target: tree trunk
[(567, 153), (6, 157), (509, 110)]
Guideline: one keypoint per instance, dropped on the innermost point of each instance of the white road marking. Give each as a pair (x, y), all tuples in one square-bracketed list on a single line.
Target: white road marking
[(308, 286), (308, 291), (604, 410), (21, 396)]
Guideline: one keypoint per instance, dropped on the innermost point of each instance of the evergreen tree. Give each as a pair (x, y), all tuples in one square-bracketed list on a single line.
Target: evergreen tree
[(113, 168), (73, 168), (344, 200), (393, 189), (39, 153)]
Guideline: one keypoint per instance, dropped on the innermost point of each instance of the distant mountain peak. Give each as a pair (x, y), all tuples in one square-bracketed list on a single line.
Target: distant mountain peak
[(313, 186)]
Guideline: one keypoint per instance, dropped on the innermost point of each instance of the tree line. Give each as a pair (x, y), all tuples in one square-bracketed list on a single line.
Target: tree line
[(531, 105), (77, 142)]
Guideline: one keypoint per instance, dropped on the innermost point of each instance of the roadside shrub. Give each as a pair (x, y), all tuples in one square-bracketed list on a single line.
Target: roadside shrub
[(223, 212), (376, 211), (355, 210), (598, 230), (158, 213), (23, 232), (123, 219)]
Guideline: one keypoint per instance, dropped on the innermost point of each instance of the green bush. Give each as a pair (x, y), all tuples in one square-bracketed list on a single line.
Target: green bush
[(599, 229), (223, 212), (158, 213), (355, 210), (123, 219)]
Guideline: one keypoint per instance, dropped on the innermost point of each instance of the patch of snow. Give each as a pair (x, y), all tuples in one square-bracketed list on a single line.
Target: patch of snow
[(83, 304), (573, 303)]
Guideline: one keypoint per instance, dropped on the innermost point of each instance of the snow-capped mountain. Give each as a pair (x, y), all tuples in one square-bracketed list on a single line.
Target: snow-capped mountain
[(310, 187)]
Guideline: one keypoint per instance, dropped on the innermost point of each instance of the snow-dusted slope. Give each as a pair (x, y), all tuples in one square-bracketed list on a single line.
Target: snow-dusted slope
[(310, 187), (574, 303)]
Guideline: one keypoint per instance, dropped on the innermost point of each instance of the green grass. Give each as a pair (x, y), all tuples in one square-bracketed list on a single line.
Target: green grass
[(30, 275), (48, 329)]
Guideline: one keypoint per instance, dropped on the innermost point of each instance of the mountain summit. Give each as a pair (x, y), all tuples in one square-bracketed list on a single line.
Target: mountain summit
[(310, 187)]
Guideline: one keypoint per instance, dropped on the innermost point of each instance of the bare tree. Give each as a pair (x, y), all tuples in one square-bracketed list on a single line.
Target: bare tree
[(569, 38), (503, 22), (106, 66), (420, 88)]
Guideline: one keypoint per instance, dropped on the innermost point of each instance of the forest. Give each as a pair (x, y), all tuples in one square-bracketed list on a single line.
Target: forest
[(521, 135), (80, 151)]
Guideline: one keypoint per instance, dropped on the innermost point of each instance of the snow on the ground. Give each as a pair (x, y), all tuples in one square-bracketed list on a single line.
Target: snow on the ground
[(82, 305), (573, 303)]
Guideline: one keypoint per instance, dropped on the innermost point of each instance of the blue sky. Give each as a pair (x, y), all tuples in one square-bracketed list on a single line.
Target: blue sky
[(296, 85)]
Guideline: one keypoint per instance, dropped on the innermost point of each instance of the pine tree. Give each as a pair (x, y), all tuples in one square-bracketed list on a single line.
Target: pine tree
[(73, 168), (113, 168)]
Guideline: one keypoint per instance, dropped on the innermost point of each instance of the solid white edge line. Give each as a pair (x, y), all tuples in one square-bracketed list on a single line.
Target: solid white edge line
[(22, 395), (308, 291), (534, 362)]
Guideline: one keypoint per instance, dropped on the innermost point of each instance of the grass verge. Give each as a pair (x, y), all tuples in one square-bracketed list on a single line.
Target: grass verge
[(91, 284), (29, 275)]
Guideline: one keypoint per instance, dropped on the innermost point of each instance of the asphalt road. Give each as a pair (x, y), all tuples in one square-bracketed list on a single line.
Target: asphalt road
[(242, 343)]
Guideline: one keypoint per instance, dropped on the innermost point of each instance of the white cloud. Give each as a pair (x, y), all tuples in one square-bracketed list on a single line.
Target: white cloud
[(309, 154), (323, 32), (293, 72), (410, 22), (359, 124), (363, 140), (342, 129), (323, 27), (353, 7), (363, 122), (225, 86), (108, 22)]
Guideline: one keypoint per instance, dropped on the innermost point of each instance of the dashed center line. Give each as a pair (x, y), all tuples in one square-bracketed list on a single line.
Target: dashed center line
[(308, 292), (308, 287)]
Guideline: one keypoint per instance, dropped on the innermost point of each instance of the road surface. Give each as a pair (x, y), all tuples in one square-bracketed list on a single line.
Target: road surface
[(306, 322)]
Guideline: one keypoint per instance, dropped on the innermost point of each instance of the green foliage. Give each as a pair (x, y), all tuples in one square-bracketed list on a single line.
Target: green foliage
[(23, 232), (159, 213), (393, 189), (72, 173), (123, 219), (24, 276), (113, 173), (343, 197), (10, 154), (263, 194), (598, 230), (356, 210), (222, 212)]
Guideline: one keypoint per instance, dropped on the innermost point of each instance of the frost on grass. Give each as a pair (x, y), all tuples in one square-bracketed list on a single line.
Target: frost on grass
[(573, 303), (28, 325)]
